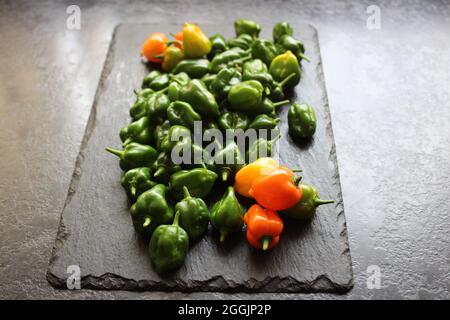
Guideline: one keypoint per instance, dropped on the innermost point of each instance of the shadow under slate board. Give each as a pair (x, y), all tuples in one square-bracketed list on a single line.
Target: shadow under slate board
[(96, 232)]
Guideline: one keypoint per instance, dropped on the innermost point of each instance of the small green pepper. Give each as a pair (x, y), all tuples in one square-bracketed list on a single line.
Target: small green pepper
[(306, 207), (199, 182), (151, 210), (229, 58), (218, 45), (264, 50), (160, 132), (227, 161), (280, 29), (157, 106), (178, 137), (136, 181), (233, 121), (172, 56), (139, 108), (181, 78), (277, 89), (246, 95), (283, 66), (138, 131), (195, 68), (243, 41), (208, 78), (144, 93), (194, 216), (301, 120), (243, 26), (168, 246), (257, 70), (181, 113), (224, 80), (197, 95), (295, 46), (159, 83), (164, 167), (173, 91), (268, 107), (148, 79), (261, 148), (263, 121), (227, 215), (135, 155)]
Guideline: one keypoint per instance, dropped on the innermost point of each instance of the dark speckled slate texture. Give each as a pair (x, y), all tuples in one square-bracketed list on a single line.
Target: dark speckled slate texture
[(96, 232)]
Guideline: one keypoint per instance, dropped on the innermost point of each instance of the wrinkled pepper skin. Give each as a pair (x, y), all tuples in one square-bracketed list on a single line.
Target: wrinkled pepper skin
[(197, 95), (135, 155), (306, 207), (230, 58), (168, 246), (263, 121), (264, 50), (302, 121), (257, 70), (280, 29), (148, 79), (244, 41), (181, 78), (138, 131), (139, 108), (164, 167), (246, 95), (227, 161), (195, 68), (199, 182), (195, 43), (276, 191), (160, 82), (218, 45), (136, 181), (151, 210), (224, 80), (233, 121), (194, 216), (263, 227), (157, 106), (244, 26), (173, 91), (227, 214), (181, 113), (160, 132), (172, 56), (283, 66)]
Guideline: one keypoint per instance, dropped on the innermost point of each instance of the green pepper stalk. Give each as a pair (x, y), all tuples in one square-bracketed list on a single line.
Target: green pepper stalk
[(151, 210), (195, 68), (227, 215), (136, 181), (306, 207), (302, 121), (138, 131), (280, 29), (197, 95), (181, 113), (268, 107), (135, 155), (227, 161), (277, 89), (244, 26), (168, 246), (283, 66), (194, 215), (199, 182)]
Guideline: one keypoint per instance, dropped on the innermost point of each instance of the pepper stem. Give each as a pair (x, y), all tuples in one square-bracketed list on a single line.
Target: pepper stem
[(127, 141), (278, 136), (319, 202), (297, 180), (223, 235), (289, 77), (265, 242), (162, 90), (280, 103), (186, 192), (296, 170), (160, 171), (116, 152), (225, 174), (304, 57), (147, 222), (133, 191), (177, 217)]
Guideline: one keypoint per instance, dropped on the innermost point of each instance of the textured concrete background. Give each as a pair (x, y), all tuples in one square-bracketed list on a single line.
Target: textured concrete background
[(389, 93)]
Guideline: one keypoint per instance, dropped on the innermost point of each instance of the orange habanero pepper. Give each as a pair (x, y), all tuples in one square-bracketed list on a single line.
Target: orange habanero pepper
[(263, 227), (245, 176), (277, 191), (154, 47)]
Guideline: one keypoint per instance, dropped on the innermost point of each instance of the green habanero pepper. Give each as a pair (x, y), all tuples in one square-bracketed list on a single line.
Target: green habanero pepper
[(159, 83), (199, 182), (264, 50), (301, 120), (164, 167), (148, 79), (181, 113), (168, 246), (261, 148), (172, 56), (224, 80), (181, 78), (306, 207), (244, 26), (144, 93), (197, 95), (218, 45), (138, 131), (257, 70), (295, 46), (246, 95), (227, 161), (136, 181), (135, 155), (208, 78), (263, 121), (194, 216), (139, 108), (280, 29), (268, 107), (233, 121), (283, 66), (244, 41), (277, 89), (227, 215), (157, 107), (160, 132), (173, 91), (151, 210), (229, 58), (195, 68), (172, 139)]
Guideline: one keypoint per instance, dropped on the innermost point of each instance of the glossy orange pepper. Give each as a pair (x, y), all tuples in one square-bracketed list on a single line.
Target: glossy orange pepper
[(263, 227), (277, 191), (154, 47), (245, 176), (178, 39)]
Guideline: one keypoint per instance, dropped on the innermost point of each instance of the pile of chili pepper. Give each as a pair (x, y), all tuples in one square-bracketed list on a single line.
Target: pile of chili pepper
[(234, 84)]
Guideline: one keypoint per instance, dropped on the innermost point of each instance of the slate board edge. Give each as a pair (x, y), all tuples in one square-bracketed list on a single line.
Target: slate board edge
[(111, 281)]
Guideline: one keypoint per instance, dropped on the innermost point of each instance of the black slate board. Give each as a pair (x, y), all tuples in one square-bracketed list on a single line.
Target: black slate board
[(96, 232)]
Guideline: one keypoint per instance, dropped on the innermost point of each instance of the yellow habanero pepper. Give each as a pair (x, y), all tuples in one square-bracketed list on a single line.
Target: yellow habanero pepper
[(245, 177), (195, 43)]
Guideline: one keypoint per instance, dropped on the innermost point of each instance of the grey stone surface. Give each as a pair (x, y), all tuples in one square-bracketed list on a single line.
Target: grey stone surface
[(388, 93), (96, 231)]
